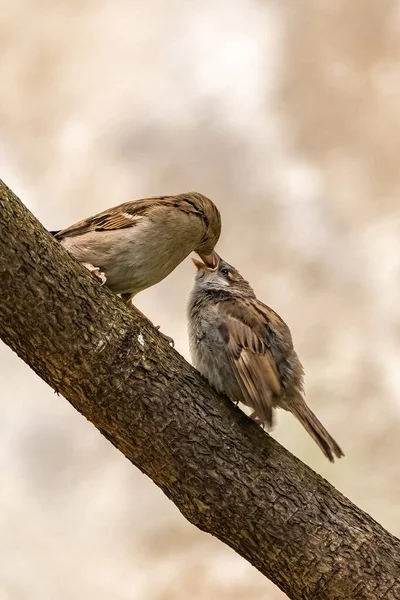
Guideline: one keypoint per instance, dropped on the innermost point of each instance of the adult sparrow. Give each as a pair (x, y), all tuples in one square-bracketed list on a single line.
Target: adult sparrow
[(135, 245), (245, 350)]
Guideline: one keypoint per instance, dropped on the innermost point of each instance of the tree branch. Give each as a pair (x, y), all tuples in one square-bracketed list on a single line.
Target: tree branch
[(224, 473)]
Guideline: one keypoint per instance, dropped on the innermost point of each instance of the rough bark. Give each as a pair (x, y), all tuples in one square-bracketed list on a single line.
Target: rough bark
[(225, 474)]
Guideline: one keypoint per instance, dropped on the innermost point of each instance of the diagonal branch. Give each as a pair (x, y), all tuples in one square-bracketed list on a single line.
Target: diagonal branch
[(224, 473)]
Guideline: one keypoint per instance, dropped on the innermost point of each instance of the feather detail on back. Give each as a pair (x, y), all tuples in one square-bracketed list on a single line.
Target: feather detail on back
[(128, 214), (251, 359)]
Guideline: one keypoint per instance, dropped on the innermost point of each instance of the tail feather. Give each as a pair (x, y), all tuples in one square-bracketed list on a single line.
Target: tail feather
[(314, 427)]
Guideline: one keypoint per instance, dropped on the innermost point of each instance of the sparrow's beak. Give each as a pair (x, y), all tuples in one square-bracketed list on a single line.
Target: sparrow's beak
[(199, 265), (210, 260)]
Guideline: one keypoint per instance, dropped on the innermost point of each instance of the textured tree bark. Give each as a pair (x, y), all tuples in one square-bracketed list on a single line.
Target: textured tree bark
[(225, 474)]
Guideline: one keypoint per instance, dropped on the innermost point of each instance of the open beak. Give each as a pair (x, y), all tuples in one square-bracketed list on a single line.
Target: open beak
[(210, 261), (199, 265)]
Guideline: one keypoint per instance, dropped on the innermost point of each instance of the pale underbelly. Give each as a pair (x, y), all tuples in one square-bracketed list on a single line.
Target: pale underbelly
[(129, 263)]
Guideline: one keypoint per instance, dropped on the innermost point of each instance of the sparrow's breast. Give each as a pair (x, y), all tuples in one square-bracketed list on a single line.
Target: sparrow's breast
[(208, 350), (140, 256)]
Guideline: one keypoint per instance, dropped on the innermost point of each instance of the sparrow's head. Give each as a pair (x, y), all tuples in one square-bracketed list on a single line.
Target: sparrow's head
[(212, 221), (222, 276)]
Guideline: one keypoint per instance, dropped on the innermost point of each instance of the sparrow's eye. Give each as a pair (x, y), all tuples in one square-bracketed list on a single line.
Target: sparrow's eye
[(225, 272)]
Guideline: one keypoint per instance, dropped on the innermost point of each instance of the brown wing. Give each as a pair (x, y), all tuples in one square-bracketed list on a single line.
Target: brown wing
[(128, 214), (251, 357), (119, 217)]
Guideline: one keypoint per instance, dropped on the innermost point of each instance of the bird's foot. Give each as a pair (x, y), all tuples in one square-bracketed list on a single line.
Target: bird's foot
[(166, 337), (257, 420), (96, 272), (128, 299)]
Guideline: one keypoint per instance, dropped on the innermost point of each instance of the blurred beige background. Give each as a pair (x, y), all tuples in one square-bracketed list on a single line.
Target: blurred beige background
[(287, 115)]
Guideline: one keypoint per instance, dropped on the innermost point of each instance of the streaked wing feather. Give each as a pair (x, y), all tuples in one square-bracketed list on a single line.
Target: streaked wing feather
[(120, 217), (251, 369), (251, 361), (117, 220), (130, 213)]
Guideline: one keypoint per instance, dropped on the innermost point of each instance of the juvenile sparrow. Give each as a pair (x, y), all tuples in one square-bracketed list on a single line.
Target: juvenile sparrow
[(135, 245), (245, 350)]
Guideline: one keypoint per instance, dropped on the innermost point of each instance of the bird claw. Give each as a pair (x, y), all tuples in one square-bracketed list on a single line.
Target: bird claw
[(128, 300), (96, 272), (166, 337), (257, 420)]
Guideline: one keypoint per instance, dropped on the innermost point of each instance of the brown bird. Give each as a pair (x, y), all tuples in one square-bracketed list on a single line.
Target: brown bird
[(137, 244), (245, 350)]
